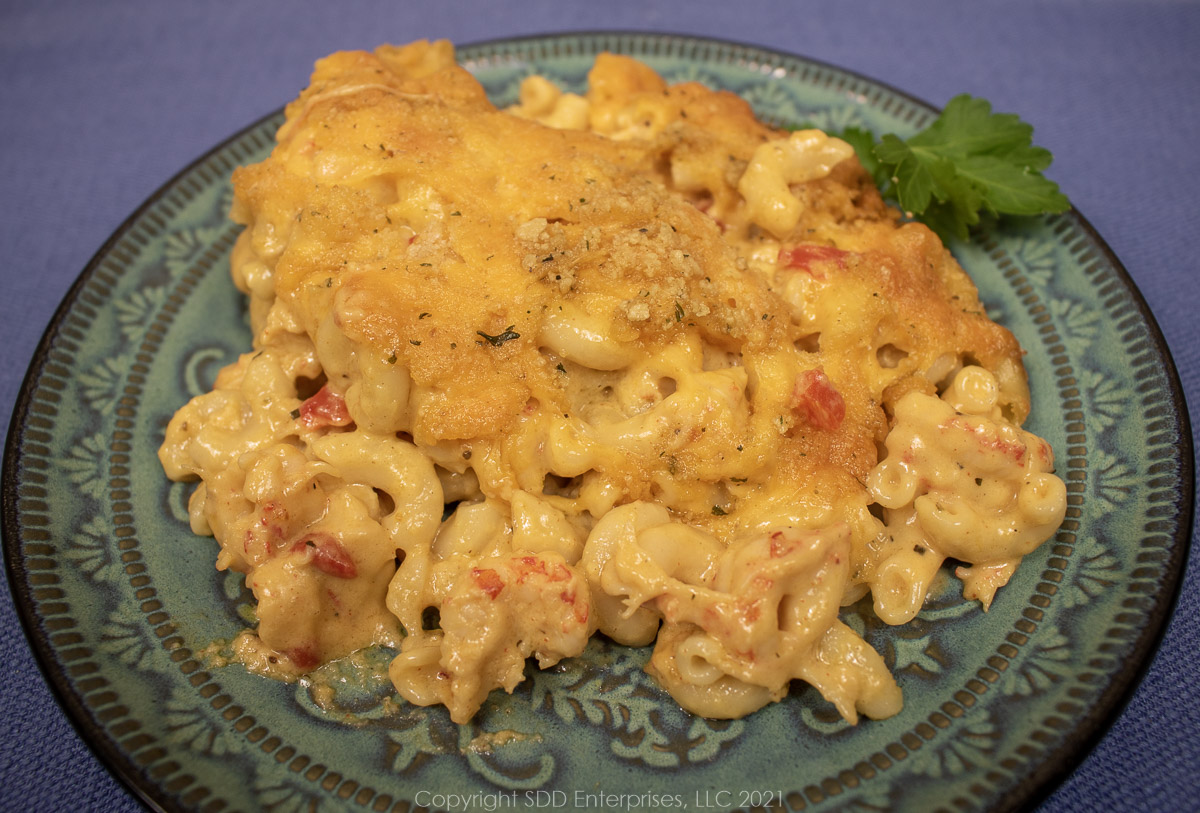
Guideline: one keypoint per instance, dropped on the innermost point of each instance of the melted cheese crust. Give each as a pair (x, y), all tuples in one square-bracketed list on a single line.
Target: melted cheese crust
[(623, 362)]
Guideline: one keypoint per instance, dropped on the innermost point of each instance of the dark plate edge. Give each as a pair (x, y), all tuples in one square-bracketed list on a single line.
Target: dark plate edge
[(1028, 792), (1112, 701), (93, 734)]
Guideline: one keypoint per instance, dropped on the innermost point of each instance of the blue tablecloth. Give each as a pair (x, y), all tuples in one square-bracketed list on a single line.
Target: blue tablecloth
[(101, 102)]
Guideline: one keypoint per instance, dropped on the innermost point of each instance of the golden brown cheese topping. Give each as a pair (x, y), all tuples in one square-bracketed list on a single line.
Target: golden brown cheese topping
[(643, 351)]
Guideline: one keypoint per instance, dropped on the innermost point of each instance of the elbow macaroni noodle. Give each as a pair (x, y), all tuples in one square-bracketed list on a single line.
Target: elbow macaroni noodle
[(627, 362)]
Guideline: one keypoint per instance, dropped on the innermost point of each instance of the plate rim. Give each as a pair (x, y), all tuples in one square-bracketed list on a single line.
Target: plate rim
[(1030, 789)]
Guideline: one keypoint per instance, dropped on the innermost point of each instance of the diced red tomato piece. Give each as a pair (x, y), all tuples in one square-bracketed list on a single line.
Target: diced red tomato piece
[(817, 402), (326, 408), (327, 555), (305, 657), (529, 566), (803, 256), (488, 580)]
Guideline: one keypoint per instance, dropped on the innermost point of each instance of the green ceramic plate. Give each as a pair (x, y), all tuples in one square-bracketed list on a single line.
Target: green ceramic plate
[(120, 600)]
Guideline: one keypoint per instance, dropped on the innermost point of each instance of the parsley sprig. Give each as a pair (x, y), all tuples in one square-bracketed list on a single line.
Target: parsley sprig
[(969, 161)]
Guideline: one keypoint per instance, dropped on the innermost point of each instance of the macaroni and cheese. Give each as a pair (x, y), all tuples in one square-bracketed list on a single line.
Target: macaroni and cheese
[(628, 362)]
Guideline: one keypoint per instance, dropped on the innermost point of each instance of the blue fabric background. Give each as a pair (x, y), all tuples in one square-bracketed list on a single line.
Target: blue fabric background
[(101, 102)]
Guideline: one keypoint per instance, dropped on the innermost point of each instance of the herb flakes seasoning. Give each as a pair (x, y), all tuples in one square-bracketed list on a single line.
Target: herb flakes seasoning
[(507, 336)]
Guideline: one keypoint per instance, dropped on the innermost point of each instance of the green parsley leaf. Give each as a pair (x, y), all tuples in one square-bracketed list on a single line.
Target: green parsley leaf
[(970, 161), (863, 142)]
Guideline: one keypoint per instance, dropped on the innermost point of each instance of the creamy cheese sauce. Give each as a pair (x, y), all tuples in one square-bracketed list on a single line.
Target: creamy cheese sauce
[(627, 362)]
